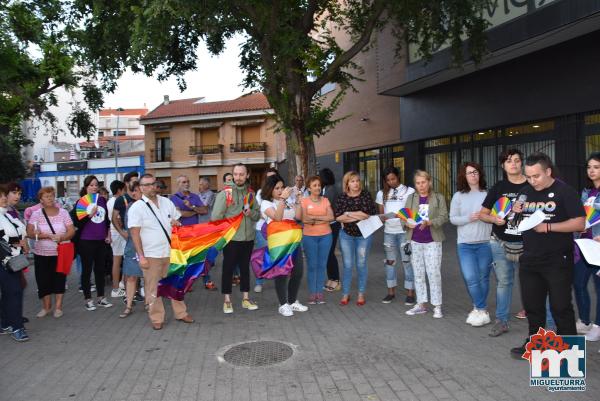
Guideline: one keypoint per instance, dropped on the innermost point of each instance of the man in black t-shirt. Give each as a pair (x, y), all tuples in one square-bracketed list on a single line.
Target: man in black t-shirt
[(504, 230), (546, 266)]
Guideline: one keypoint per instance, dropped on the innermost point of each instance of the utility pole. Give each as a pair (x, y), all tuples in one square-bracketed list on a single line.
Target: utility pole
[(116, 143)]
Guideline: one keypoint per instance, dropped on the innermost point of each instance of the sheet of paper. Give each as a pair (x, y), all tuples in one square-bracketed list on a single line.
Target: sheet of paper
[(532, 221), (369, 226), (590, 250)]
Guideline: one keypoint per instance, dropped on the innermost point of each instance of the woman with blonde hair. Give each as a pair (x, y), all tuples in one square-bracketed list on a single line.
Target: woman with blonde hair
[(426, 238), (354, 205)]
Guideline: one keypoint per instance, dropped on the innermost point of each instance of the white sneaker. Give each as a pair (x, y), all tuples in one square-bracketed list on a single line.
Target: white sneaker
[(89, 305), (142, 293), (117, 293), (416, 310), (593, 334), (286, 310), (258, 288), (481, 318), (582, 328), (103, 302), (93, 288), (472, 316), (298, 307), (437, 312), (121, 285)]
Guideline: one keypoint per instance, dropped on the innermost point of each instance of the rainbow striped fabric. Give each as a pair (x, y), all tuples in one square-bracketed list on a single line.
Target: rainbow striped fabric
[(277, 258), (193, 252)]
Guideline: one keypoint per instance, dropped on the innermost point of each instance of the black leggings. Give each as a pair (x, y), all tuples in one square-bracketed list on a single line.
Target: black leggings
[(93, 257), (287, 286), (48, 280), (236, 253), (333, 268)]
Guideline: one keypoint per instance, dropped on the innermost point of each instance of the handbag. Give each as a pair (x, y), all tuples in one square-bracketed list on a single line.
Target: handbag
[(512, 250), (65, 252), (15, 263)]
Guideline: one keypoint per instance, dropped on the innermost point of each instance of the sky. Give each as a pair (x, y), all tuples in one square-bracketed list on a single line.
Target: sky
[(217, 78)]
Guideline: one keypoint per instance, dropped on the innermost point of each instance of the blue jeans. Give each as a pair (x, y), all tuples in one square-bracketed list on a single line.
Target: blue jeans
[(475, 262), (11, 299), (505, 274), (354, 253), (583, 272), (316, 249), (259, 242), (393, 247)]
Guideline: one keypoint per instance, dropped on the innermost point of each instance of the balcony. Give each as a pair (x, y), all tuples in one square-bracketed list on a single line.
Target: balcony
[(248, 147), (206, 150), (160, 155)]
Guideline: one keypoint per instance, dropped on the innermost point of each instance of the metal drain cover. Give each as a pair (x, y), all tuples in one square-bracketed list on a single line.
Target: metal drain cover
[(258, 353)]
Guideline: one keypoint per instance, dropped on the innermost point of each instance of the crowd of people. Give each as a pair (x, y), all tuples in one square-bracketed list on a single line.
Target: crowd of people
[(132, 229)]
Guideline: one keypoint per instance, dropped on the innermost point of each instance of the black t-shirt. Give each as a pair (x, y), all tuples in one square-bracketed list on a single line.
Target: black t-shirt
[(121, 205), (559, 202), (507, 232)]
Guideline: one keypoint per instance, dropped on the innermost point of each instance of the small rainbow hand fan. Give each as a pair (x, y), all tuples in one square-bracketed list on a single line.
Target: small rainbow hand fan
[(408, 215), (502, 207), (81, 209), (248, 200), (592, 216)]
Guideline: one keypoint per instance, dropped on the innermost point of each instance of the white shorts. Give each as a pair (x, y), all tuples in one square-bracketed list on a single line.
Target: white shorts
[(117, 244)]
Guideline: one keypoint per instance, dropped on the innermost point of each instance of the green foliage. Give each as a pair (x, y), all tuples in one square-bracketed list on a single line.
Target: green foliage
[(11, 165), (291, 48)]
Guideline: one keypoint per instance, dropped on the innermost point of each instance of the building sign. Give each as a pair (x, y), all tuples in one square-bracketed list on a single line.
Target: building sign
[(71, 166), (496, 13)]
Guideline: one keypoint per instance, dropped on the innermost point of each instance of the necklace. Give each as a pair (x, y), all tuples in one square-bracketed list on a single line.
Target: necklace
[(316, 201)]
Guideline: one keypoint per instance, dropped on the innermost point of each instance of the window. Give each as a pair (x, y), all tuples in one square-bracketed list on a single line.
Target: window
[(119, 133), (162, 150), (250, 134)]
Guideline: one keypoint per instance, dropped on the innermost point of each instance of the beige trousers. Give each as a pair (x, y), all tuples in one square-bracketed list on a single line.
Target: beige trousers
[(158, 268)]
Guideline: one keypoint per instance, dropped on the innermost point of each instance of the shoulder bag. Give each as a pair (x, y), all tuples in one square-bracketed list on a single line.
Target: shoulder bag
[(15, 263), (65, 252), (157, 219)]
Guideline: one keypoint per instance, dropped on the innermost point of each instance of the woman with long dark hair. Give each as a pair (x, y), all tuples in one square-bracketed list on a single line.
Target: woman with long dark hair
[(331, 193), (590, 196), (94, 235), (473, 239)]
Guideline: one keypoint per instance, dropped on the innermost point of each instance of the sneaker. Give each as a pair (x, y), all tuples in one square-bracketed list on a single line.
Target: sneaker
[(409, 300), (416, 310), (209, 285), (437, 312), (142, 293), (117, 293), (248, 304), (42, 313), (482, 317), (498, 329), (582, 328), (103, 302), (388, 299), (471, 317), (518, 352), (89, 305), (312, 300), (286, 310), (6, 330), (93, 289), (320, 300), (121, 285), (298, 307), (58, 313), (20, 335), (138, 297), (258, 288), (593, 334), (80, 289), (235, 280), (521, 315), (227, 307)]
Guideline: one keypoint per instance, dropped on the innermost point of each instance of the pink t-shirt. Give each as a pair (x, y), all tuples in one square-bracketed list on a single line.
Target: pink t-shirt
[(60, 222), (316, 209)]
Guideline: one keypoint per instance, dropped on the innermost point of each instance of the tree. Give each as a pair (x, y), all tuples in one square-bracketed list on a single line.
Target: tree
[(290, 52), (36, 58)]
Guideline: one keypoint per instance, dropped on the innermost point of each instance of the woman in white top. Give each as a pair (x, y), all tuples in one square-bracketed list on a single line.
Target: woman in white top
[(12, 231), (274, 207), (473, 249)]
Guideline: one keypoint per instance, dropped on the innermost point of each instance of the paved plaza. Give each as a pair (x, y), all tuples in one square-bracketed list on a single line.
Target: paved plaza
[(374, 352)]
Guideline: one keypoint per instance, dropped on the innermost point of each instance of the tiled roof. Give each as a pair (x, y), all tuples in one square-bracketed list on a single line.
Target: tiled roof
[(125, 112), (107, 139), (189, 107)]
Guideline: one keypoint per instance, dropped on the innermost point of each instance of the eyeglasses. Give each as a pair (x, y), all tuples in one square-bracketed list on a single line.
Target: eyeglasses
[(148, 184), (473, 173)]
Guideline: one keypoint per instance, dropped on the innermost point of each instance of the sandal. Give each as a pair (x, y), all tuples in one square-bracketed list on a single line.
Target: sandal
[(128, 311), (335, 287)]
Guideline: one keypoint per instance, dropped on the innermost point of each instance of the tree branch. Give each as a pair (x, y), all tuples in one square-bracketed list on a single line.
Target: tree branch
[(308, 19), (378, 8)]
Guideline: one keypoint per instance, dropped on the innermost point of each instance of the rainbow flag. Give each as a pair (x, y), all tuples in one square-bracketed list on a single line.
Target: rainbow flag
[(592, 216), (193, 252), (277, 258)]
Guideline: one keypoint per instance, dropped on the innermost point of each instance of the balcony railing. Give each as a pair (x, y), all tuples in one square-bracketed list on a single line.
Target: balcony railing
[(248, 147), (206, 149), (160, 155)]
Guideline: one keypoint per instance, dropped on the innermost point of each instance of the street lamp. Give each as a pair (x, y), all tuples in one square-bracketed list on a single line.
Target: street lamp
[(116, 134)]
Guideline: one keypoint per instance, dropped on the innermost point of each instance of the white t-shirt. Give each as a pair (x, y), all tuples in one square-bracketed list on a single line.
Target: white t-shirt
[(395, 201), (288, 213), (154, 241), (110, 206), (258, 199)]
